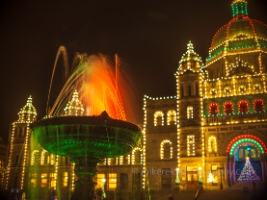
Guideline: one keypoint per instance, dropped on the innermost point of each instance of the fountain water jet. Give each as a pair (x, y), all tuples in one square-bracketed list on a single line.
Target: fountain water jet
[(89, 139)]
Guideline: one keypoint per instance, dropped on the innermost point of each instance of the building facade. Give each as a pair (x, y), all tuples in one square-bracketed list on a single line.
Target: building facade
[(217, 118), (215, 121)]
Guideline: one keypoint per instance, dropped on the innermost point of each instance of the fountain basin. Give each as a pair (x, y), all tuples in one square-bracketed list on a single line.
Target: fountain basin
[(96, 137)]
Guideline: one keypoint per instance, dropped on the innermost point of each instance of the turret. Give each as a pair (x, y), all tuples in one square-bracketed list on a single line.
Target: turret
[(28, 112)]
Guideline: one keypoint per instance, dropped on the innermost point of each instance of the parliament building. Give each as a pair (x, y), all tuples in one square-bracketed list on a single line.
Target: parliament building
[(202, 134)]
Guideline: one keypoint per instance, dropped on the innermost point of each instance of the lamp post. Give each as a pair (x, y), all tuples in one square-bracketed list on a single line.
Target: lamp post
[(221, 172), (103, 187), (177, 180)]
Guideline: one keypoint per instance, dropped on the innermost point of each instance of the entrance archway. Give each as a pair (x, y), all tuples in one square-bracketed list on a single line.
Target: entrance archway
[(238, 149)]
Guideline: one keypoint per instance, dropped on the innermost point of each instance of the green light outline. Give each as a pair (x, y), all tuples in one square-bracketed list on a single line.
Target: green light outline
[(246, 140)]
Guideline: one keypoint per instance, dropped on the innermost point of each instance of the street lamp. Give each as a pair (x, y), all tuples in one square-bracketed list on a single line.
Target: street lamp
[(200, 176), (177, 180), (103, 187)]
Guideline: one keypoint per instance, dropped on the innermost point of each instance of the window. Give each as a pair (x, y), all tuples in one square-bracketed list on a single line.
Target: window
[(243, 107), (190, 145), (52, 180), (35, 157), (190, 112), (137, 156), (166, 178), (99, 180), (65, 181), (112, 181), (189, 90), (43, 180), (33, 180), (44, 157), (228, 108), (123, 180), (212, 143), (158, 118), (258, 106), (166, 151), (214, 109), (182, 91), (171, 117)]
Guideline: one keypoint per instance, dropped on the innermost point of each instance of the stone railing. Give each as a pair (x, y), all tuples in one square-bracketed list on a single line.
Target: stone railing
[(246, 117)]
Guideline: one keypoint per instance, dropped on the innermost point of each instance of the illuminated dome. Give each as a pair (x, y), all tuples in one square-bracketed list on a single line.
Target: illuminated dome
[(190, 61), (28, 112), (74, 107), (241, 33)]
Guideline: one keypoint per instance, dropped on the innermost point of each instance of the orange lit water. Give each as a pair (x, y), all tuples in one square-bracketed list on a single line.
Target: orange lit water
[(102, 85)]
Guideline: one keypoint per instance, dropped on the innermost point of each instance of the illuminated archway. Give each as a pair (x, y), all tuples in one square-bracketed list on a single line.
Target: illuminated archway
[(171, 117), (228, 108), (162, 149), (135, 159), (35, 157), (258, 105), (243, 107), (245, 138), (213, 109), (158, 118), (44, 157)]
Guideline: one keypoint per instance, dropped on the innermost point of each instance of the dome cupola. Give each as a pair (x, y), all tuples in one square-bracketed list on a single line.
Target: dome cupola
[(190, 61), (28, 112), (240, 35), (74, 107)]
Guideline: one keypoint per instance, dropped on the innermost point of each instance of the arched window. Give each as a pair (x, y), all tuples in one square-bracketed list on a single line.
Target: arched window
[(166, 151), (44, 157), (214, 109), (243, 107), (158, 118), (212, 144), (35, 158), (228, 108), (258, 106), (171, 117), (137, 155)]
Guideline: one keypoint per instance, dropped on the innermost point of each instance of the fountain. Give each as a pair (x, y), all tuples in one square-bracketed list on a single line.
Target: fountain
[(88, 135)]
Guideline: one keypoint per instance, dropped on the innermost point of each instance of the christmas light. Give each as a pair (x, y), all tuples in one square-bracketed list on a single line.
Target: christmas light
[(248, 173)]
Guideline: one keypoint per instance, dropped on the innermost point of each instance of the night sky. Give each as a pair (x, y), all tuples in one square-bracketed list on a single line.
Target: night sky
[(150, 37)]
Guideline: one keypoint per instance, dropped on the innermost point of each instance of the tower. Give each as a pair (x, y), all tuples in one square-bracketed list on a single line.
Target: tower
[(18, 149), (190, 136)]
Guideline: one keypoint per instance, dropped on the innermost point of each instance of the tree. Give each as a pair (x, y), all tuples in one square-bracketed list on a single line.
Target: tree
[(248, 173)]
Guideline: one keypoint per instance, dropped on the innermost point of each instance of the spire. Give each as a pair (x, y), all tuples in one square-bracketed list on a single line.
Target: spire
[(28, 112), (74, 107), (190, 47), (239, 7), (190, 60)]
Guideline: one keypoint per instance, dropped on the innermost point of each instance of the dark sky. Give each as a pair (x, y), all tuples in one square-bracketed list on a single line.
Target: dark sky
[(150, 36)]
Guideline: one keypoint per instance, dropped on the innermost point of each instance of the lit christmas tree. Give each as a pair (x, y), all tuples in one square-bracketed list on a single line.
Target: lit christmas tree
[(248, 173)]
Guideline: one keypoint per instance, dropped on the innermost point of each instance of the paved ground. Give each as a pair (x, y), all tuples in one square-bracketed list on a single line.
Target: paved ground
[(234, 192)]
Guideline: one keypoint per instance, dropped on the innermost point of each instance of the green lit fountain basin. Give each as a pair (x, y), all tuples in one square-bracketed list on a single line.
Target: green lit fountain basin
[(93, 136)]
